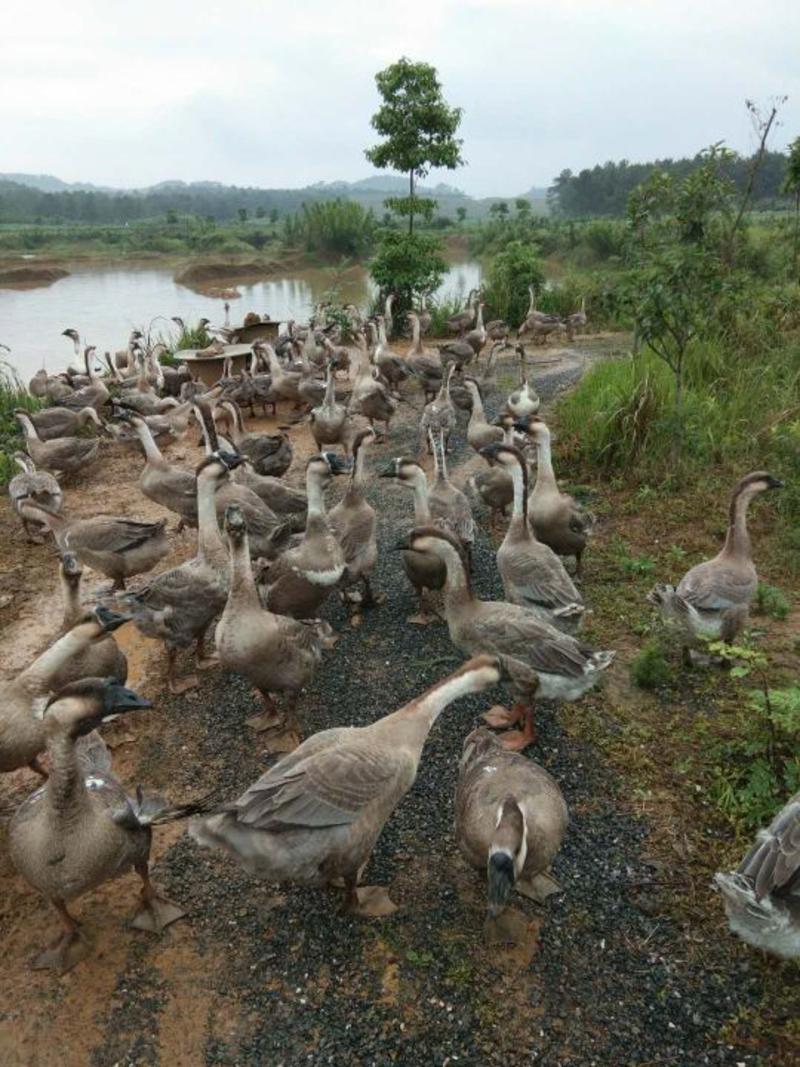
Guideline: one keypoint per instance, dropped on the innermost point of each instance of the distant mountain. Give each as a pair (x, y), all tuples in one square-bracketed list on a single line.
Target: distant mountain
[(48, 183)]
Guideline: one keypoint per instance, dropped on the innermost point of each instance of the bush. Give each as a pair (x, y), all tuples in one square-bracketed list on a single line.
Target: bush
[(510, 274), (337, 227), (407, 264), (13, 394), (771, 601), (650, 669)]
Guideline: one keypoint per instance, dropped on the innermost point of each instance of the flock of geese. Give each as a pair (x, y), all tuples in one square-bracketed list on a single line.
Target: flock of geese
[(268, 555)]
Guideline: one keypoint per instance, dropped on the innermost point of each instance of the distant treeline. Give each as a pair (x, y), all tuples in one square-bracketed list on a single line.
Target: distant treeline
[(604, 190)]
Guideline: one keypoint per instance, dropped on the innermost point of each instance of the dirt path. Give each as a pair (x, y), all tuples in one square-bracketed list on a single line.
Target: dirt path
[(264, 976)]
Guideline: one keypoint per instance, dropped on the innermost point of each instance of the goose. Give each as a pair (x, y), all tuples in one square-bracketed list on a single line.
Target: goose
[(277, 654), (338, 357), (80, 829), (462, 320), (497, 330), (558, 521), (311, 389), (480, 432), (285, 384), (540, 329), (476, 338), (22, 736), (353, 523), (394, 369), (439, 416), (267, 453), (511, 818), (423, 571), (61, 455), (372, 399), (175, 377), (458, 353), (539, 659), (712, 599), (62, 422), (302, 578), (424, 364), (494, 486), (532, 315), (33, 487), (425, 317), (177, 606), (533, 576), (102, 658), (314, 817), (117, 547), (523, 401), (577, 320), (37, 386), (94, 393), (447, 503), (329, 418), (170, 486), (762, 896), (387, 314)]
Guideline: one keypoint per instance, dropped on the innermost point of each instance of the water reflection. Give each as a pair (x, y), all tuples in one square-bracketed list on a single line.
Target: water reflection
[(105, 304)]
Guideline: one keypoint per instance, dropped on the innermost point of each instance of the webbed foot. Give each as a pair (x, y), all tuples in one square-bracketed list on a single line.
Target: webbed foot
[(156, 914), (70, 948)]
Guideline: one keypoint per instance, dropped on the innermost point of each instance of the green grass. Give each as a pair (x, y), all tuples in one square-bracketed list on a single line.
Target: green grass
[(12, 395)]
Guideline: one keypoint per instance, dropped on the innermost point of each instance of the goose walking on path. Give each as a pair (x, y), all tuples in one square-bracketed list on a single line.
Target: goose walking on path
[(314, 817)]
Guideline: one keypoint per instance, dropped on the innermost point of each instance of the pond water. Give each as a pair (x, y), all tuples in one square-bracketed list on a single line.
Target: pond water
[(105, 303)]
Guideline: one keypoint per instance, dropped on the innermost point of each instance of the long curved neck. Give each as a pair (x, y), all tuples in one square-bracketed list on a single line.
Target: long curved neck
[(519, 477), (151, 449), (415, 335), (457, 588), (419, 487), (65, 787), (71, 597), (243, 586), (423, 712), (330, 390), (545, 475), (210, 546), (37, 676), (477, 406), (479, 323), (316, 498), (737, 539), (28, 428)]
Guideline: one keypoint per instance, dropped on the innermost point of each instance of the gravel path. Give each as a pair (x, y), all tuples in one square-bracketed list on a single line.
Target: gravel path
[(595, 980)]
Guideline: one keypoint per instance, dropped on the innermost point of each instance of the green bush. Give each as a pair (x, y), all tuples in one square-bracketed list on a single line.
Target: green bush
[(407, 264), (337, 227), (771, 601), (510, 274), (13, 395), (650, 669)]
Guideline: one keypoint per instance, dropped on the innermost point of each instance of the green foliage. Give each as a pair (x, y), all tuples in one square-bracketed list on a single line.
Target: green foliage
[(510, 274), (441, 311), (337, 227), (771, 601), (417, 125), (13, 395), (650, 669), (408, 264), (756, 766)]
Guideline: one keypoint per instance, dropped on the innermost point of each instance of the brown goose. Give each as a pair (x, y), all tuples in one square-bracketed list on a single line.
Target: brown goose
[(177, 606), (424, 364), (372, 399), (353, 523), (712, 600), (303, 577), (22, 736), (61, 455), (480, 431), (61, 422), (80, 829), (448, 504), (33, 487), (170, 486), (277, 654), (314, 817), (329, 418), (94, 393), (533, 575), (511, 818), (539, 659), (462, 320), (558, 521), (115, 546), (102, 658), (269, 454), (762, 897), (439, 416)]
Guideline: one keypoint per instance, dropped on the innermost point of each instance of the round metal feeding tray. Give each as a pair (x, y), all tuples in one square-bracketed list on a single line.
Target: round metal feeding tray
[(209, 368)]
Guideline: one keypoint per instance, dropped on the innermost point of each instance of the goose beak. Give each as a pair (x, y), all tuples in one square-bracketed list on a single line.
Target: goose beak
[(117, 699), (389, 471), (489, 452), (338, 464), (108, 619), (230, 460), (774, 483)]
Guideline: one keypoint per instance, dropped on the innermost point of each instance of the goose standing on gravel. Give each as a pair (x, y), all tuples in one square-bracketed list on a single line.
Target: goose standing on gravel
[(540, 660), (712, 600), (439, 416), (353, 522), (480, 432), (511, 818), (315, 816), (762, 897), (533, 576), (558, 521), (81, 829)]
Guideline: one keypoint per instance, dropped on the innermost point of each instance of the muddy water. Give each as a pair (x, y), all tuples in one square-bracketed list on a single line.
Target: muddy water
[(105, 303)]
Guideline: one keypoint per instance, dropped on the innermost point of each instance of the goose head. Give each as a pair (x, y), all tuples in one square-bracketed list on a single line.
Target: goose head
[(82, 706), (507, 854)]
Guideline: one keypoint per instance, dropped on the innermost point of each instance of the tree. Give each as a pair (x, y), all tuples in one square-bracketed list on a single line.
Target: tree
[(791, 186), (407, 264), (523, 207), (172, 218), (461, 213), (273, 216), (418, 127), (510, 274), (260, 211), (499, 209), (242, 213)]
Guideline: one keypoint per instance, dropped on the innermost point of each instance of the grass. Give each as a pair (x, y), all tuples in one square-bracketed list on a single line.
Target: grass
[(13, 395)]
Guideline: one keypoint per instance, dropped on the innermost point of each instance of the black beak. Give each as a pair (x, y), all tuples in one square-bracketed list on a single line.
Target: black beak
[(231, 460), (775, 483), (108, 619), (338, 464), (500, 878), (521, 425), (117, 698), (489, 451)]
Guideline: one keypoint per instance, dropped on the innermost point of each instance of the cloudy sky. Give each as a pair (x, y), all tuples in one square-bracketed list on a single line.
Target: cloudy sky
[(269, 93)]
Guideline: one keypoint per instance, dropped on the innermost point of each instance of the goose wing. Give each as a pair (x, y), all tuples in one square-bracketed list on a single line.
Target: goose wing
[(773, 863), (715, 586), (540, 578), (111, 534), (328, 788), (519, 635)]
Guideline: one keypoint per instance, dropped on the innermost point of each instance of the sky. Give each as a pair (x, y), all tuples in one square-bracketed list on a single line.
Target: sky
[(280, 94)]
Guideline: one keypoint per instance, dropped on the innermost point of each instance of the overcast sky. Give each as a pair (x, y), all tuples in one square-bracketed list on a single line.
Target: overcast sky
[(260, 92)]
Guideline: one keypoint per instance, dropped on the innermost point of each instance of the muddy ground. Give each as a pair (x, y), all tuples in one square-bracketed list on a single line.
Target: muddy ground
[(603, 974)]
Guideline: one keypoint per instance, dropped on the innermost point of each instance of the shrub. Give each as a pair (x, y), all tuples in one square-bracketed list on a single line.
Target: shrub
[(407, 264), (510, 274), (337, 227), (771, 601), (650, 669)]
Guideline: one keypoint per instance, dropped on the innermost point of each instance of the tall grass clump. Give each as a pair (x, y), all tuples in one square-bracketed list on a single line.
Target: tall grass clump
[(13, 395)]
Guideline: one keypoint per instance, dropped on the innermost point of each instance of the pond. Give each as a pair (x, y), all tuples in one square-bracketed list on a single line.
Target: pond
[(105, 303)]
